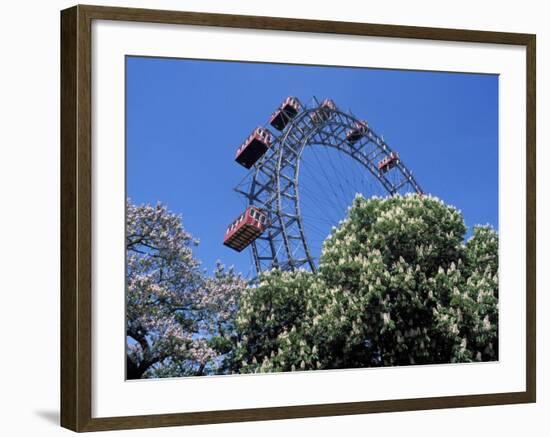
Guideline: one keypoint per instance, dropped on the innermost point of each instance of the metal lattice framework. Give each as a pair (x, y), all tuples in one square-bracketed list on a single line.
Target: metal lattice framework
[(273, 182)]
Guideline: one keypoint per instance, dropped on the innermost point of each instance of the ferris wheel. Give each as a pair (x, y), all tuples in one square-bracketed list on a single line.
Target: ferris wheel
[(303, 176)]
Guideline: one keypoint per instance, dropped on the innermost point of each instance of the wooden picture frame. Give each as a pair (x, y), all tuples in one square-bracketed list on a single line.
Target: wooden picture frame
[(76, 217)]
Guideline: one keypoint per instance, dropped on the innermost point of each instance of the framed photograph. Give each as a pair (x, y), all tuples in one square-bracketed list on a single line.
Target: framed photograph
[(268, 218)]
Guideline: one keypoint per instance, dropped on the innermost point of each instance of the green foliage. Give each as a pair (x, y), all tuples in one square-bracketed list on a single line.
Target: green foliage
[(396, 285), (269, 316)]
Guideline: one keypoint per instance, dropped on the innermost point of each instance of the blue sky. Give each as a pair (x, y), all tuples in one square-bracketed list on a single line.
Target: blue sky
[(185, 119)]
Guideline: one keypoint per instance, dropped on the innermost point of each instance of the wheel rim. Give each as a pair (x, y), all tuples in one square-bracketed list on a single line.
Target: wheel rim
[(273, 183)]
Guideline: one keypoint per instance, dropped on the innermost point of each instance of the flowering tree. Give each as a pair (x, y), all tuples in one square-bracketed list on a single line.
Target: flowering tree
[(396, 285), (178, 321)]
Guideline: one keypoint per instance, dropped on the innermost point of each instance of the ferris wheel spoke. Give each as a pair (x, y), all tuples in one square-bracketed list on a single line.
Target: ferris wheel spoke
[(325, 194), (339, 177), (332, 188)]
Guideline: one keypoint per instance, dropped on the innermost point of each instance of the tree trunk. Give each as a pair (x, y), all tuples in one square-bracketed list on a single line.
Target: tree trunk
[(136, 372)]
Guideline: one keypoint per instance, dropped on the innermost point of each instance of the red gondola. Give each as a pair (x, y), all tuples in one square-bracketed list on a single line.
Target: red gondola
[(355, 134), (286, 112), (245, 229), (388, 162), (254, 147), (324, 113)]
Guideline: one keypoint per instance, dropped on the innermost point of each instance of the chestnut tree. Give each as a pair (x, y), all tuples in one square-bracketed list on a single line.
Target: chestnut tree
[(397, 284)]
